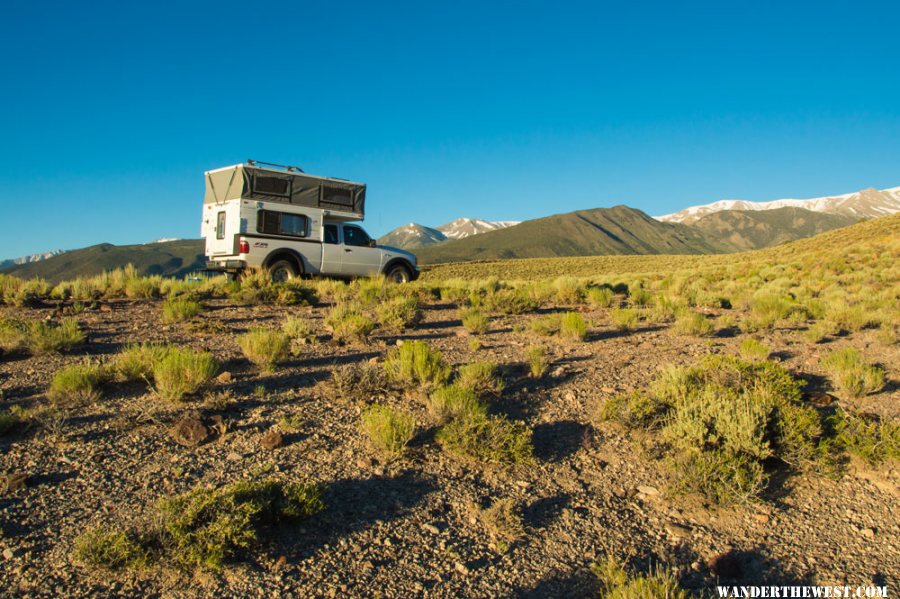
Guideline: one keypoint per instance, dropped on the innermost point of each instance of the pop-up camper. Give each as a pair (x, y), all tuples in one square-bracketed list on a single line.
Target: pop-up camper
[(292, 224)]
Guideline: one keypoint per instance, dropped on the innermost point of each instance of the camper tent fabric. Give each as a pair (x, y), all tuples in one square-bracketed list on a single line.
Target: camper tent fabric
[(265, 185)]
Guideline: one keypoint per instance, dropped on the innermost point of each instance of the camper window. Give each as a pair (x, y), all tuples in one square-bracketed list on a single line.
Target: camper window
[(272, 186), (337, 196), (281, 223), (220, 225)]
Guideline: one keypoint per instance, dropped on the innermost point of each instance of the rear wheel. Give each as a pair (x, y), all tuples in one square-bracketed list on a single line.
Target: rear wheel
[(399, 274), (282, 270)]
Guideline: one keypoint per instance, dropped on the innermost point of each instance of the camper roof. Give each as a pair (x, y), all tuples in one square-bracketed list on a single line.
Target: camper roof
[(254, 182)]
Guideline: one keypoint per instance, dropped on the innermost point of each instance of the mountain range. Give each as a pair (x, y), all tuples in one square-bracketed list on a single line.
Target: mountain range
[(414, 235)]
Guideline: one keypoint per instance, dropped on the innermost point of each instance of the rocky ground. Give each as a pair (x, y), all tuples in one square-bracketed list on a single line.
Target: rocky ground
[(412, 527)]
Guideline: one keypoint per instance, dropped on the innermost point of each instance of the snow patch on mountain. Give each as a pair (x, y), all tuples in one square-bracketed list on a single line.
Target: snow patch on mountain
[(30, 258), (466, 227)]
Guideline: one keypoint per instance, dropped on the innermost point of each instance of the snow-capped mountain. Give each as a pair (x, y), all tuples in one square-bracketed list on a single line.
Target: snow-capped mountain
[(466, 227), (414, 235), (30, 258), (868, 203)]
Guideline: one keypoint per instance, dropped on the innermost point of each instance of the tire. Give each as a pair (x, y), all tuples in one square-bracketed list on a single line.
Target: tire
[(399, 274), (282, 270)]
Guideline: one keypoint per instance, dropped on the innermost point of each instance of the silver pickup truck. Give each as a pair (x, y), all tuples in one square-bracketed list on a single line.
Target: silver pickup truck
[(293, 224)]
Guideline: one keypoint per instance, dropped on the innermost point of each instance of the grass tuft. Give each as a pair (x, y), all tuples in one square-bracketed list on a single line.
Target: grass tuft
[(389, 430), (266, 348)]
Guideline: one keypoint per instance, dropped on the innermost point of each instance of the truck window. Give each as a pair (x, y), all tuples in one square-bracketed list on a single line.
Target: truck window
[(355, 236), (281, 223), (330, 234), (220, 225)]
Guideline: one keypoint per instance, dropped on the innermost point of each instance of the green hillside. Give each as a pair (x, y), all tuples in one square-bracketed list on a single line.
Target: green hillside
[(755, 229), (617, 230), (168, 258)]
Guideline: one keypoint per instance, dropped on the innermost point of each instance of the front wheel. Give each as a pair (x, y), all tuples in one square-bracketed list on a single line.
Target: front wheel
[(399, 274), (282, 270)]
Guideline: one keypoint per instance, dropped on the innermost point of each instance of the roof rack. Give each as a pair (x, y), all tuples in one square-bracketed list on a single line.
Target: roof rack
[(288, 168)]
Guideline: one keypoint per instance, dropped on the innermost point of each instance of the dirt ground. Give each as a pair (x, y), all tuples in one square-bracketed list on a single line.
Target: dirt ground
[(410, 527)]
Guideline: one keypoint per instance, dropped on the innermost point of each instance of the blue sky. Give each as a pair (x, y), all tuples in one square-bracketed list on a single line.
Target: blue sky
[(110, 112)]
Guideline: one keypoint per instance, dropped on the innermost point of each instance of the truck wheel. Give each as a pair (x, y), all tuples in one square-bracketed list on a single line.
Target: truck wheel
[(282, 270), (399, 274)]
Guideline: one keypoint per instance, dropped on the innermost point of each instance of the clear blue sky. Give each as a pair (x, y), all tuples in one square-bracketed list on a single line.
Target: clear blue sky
[(110, 112)]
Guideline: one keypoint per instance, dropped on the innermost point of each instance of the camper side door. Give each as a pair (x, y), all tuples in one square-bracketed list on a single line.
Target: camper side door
[(332, 251)]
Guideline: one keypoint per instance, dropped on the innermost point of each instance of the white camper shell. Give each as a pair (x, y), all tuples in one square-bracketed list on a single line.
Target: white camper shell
[(292, 224)]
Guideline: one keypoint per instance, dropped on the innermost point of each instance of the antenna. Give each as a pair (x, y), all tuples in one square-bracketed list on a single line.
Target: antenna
[(288, 168)]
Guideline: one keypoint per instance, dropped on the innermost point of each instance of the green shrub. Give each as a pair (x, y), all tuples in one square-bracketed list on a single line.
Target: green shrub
[(600, 297), (569, 290), (299, 329), (112, 549), (850, 318), (616, 583), (545, 326), (753, 350), (76, 383), (875, 442), (206, 527), (572, 327), (639, 297), (414, 363), (723, 477), (135, 362), (30, 293), (389, 430), (181, 371), (358, 381), (143, 287), (492, 439), (625, 319), (12, 337), (502, 521), (398, 313), (42, 337), (852, 374), (693, 324), (180, 309), (769, 308), (510, 301), (454, 401), (635, 410), (348, 323), (10, 420), (538, 363), (819, 331), (480, 377), (264, 347), (474, 321)]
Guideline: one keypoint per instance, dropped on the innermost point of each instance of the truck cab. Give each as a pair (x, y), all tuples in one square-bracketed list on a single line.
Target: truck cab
[(293, 224)]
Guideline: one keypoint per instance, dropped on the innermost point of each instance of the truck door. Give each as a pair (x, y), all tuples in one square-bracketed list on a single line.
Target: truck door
[(360, 259), (332, 251), (221, 223)]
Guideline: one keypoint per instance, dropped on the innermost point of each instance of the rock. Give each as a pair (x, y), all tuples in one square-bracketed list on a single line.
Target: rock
[(820, 399), (271, 440), (761, 518), (105, 308), (648, 490), (225, 377), (461, 568), (868, 533), (431, 528), (609, 390), (234, 457), (560, 371), (12, 482), (8, 553), (678, 531), (189, 431)]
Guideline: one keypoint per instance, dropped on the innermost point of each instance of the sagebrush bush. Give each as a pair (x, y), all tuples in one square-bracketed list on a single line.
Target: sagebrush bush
[(503, 521), (348, 323), (414, 363), (398, 313), (266, 348), (481, 377), (454, 401), (143, 287), (820, 331), (358, 381), (105, 547), (874, 441), (180, 371), (474, 321), (600, 297), (617, 583), (510, 301), (388, 429), (572, 327), (538, 363), (625, 319), (754, 350), (76, 383), (180, 309), (569, 290), (491, 439), (694, 324), (635, 410), (12, 337), (43, 337), (135, 362), (545, 326), (852, 374), (299, 329)]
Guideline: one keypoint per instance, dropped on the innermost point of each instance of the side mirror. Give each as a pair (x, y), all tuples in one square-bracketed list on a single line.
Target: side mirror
[(373, 243)]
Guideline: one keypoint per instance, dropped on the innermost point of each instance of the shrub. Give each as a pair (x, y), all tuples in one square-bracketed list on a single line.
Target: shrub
[(256, 287), (693, 323), (76, 383), (721, 476), (205, 527), (388, 429), (415, 362), (181, 371), (769, 308), (264, 347), (492, 439), (480, 377), (819, 331), (474, 321), (180, 309), (358, 381), (9, 420), (569, 290), (454, 401), (299, 329), (510, 301), (112, 549), (850, 318), (616, 583), (873, 441), (625, 319), (12, 337), (538, 362), (135, 362), (753, 350), (398, 313), (572, 327), (43, 337), (639, 297), (636, 410), (503, 522), (546, 326), (600, 297), (348, 323), (143, 287), (852, 374)]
